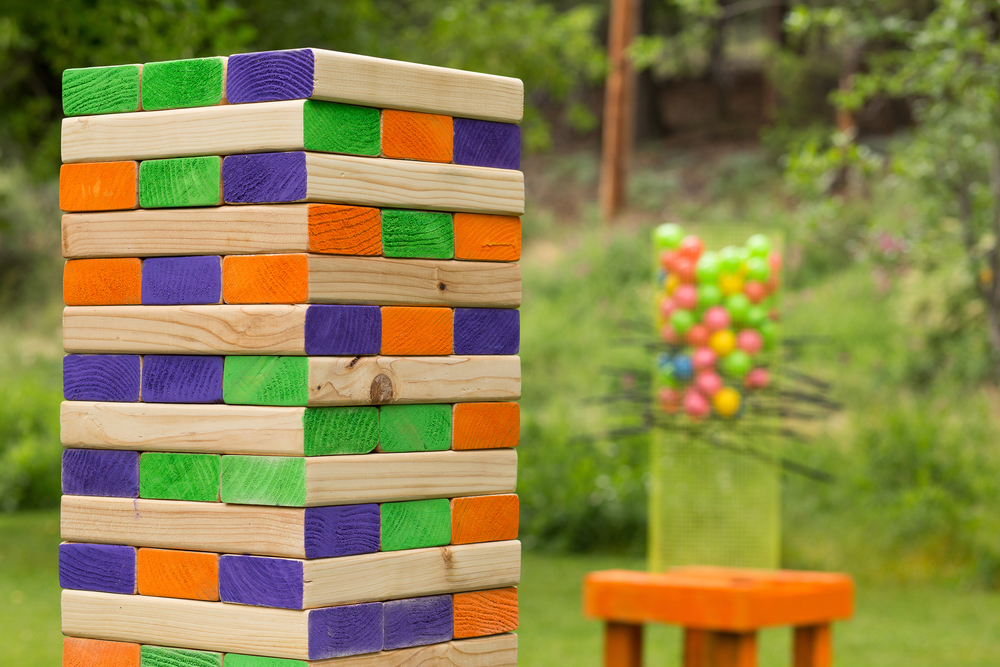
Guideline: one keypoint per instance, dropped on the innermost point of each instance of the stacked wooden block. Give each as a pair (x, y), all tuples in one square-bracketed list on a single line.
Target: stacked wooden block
[(291, 337)]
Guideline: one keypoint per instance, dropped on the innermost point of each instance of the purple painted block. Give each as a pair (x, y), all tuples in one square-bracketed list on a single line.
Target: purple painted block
[(263, 582), (353, 629), (97, 567), (101, 377), (344, 530), (343, 330), (168, 281), (269, 75), (418, 621), (181, 379), (100, 472), (264, 178), (487, 331), (484, 143)]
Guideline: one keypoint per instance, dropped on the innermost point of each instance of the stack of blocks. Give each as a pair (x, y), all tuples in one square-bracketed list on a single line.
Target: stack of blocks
[(292, 335)]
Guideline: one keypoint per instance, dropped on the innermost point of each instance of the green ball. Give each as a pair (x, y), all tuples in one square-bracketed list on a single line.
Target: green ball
[(708, 296), (738, 306), (668, 236), (681, 321), (665, 377), (707, 268), (737, 364), (729, 259), (758, 269), (759, 245), (769, 332), (756, 316)]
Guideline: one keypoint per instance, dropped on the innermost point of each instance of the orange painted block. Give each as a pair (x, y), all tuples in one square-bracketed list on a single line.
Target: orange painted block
[(265, 279), (99, 186), (484, 613), (485, 425), (166, 573), (79, 652), (491, 238), (484, 518), (345, 230), (417, 136), (417, 331), (103, 282)]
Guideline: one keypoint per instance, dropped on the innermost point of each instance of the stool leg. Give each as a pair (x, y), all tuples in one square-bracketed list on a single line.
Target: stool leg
[(732, 649), (813, 646), (696, 647), (622, 645)]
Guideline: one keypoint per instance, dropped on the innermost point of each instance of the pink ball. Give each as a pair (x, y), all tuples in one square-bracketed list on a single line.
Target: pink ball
[(755, 291), (750, 341), (670, 400), (703, 358), (696, 406), (708, 383), (667, 306), (697, 336), (686, 296), (668, 335), (716, 318), (758, 378)]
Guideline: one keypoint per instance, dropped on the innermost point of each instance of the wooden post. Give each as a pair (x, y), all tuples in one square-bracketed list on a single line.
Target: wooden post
[(622, 645), (696, 647), (813, 646), (619, 107), (732, 649)]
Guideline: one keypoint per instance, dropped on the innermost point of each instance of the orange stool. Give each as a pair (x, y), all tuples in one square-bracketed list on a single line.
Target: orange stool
[(720, 609)]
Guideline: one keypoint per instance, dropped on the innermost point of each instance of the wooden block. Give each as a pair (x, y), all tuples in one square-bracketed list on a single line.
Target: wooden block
[(102, 282), (181, 379), (366, 478), (416, 136), (417, 234), (266, 380), (264, 178), (97, 567), (343, 330), (340, 128), (345, 230), (491, 238), (94, 472), (484, 518), (93, 90), (101, 377), (487, 144), (99, 186), (486, 425), (174, 84), (387, 575), (418, 622), (482, 613), (498, 651), (176, 182), (79, 652), (416, 524), (237, 660), (161, 656), (266, 279), (487, 331), (176, 524), (345, 430), (374, 82), (168, 281), (169, 476), (167, 573), (414, 428), (282, 633), (408, 330)]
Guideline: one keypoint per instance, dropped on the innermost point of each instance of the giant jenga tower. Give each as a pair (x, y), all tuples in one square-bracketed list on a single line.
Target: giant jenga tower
[(291, 336)]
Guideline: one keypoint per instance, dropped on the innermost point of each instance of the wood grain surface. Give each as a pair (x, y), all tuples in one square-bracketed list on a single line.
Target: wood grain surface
[(485, 425), (102, 377), (340, 128), (99, 186), (266, 279), (410, 135), (417, 234), (484, 518), (97, 567), (98, 90), (168, 281), (181, 379), (487, 331), (175, 476), (264, 480), (414, 428), (95, 472), (416, 524), (417, 621), (344, 230), (481, 613), (491, 238), (169, 573), (343, 330), (180, 182), (487, 144), (175, 84), (409, 330), (266, 381), (78, 652), (102, 282), (163, 656)]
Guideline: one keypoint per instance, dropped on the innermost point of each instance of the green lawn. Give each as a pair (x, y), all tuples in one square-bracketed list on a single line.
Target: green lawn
[(895, 627)]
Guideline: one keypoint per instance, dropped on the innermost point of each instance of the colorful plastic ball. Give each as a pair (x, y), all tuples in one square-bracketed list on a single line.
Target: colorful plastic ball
[(749, 341), (708, 383), (708, 296), (684, 269), (757, 269), (697, 335), (722, 342), (691, 247), (696, 406), (737, 364), (665, 377), (756, 316), (716, 318), (667, 259), (729, 259), (683, 368), (668, 335), (686, 296), (755, 290), (707, 268), (772, 284), (730, 283), (670, 400), (668, 235), (673, 280), (726, 402), (775, 261), (738, 305), (681, 321), (758, 378), (667, 306), (703, 358), (758, 245)]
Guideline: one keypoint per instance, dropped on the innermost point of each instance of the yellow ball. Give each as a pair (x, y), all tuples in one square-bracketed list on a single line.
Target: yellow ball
[(726, 402), (672, 282), (722, 342), (730, 284)]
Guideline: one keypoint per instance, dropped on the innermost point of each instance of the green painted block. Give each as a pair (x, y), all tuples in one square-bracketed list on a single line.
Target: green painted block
[(179, 476), (175, 84), (414, 428), (264, 480), (341, 128), (349, 430), (415, 524), (159, 656), (236, 660), (424, 234), (266, 381), (94, 90), (180, 181)]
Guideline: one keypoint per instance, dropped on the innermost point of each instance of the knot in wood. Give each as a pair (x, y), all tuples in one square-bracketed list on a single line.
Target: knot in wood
[(381, 389)]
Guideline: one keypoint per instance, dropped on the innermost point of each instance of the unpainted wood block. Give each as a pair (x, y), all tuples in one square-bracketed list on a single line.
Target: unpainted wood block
[(409, 330), (484, 518), (96, 90), (101, 377), (410, 135), (169, 281), (497, 651), (490, 238), (343, 330), (266, 380), (487, 331), (374, 82), (417, 234), (485, 425), (181, 379), (345, 230), (180, 182), (264, 480), (416, 524), (482, 613), (414, 428), (162, 656), (99, 186), (170, 573), (418, 621), (266, 279), (97, 567), (487, 144), (79, 652), (172, 476), (102, 282), (174, 84), (96, 472), (343, 430), (340, 128)]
